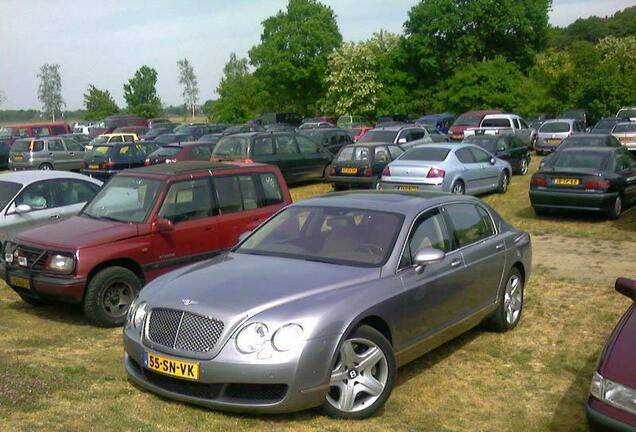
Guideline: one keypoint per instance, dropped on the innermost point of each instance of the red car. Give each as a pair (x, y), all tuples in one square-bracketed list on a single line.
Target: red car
[(467, 120), (113, 122), (179, 152), (612, 401), (142, 224), (358, 132)]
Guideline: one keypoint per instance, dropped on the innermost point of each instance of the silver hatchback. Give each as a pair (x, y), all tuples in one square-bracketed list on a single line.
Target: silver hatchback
[(48, 153)]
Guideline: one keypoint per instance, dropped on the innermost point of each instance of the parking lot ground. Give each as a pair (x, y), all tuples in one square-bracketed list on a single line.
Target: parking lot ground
[(59, 373)]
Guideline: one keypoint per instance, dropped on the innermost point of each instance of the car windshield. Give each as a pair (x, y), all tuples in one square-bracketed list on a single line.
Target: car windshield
[(7, 192), (5, 132), (231, 146), (584, 141), (582, 160), (467, 120), (166, 151), (379, 136), (605, 125), (124, 199), (344, 236), (626, 113), (555, 127), (624, 127), (425, 154)]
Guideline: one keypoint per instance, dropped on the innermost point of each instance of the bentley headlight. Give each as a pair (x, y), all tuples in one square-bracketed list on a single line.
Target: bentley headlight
[(61, 263), (287, 337), (139, 315), (252, 337)]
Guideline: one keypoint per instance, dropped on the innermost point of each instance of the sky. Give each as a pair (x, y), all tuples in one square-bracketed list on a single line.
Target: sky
[(104, 43)]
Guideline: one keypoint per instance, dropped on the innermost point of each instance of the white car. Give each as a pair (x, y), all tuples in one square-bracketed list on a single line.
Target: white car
[(505, 124)]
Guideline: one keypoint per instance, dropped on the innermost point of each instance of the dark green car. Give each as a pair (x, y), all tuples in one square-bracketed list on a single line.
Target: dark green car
[(298, 157), (361, 165)]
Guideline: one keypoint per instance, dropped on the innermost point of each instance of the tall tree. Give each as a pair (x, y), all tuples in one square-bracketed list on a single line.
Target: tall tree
[(292, 56), (50, 89), (444, 35), (240, 94), (98, 103), (141, 93), (188, 80)]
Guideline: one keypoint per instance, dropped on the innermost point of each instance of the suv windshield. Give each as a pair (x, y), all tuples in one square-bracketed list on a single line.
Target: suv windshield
[(378, 136), (7, 192), (344, 236), (124, 199), (555, 127), (231, 146)]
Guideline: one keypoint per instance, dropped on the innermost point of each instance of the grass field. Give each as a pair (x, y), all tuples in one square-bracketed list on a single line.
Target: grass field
[(59, 373)]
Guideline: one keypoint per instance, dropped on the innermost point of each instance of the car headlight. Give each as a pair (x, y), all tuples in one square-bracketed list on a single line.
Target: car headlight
[(252, 338), (287, 337), (617, 395), (61, 263), (139, 315)]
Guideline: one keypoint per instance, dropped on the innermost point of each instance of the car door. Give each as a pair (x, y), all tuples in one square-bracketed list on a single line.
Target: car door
[(504, 149), (429, 294), (288, 158), (315, 158), (57, 153), (626, 168), (489, 174), (471, 170), (525, 133), (75, 154), (483, 256), (41, 197)]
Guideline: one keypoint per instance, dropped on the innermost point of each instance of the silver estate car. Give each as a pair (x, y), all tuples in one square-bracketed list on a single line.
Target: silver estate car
[(323, 302), (457, 168), (47, 153), (33, 198), (552, 132)]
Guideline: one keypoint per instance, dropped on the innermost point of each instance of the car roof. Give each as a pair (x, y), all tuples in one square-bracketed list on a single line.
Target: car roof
[(30, 176), (588, 135), (481, 112), (593, 149), (406, 203), (501, 115), (108, 135), (449, 146), (397, 127), (371, 144), (436, 116), (186, 144), (189, 167), (560, 120)]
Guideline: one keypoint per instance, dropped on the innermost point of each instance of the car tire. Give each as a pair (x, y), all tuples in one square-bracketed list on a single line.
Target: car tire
[(380, 374), (109, 294), (33, 301), (523, 169), (510, 306), (617, 208), (339, 188), (458, 188), (540, 211), (45, 167), (504, 181)]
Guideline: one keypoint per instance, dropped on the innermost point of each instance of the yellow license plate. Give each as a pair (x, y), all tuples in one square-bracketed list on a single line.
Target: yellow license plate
[(567, 182), (93, 166), (349, 170), (408, 188), (172, 367), (19, 157), (554, 141), (625, 139), (20, 282)]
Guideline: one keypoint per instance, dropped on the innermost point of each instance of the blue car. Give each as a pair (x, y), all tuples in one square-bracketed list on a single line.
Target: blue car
[(441, 122)]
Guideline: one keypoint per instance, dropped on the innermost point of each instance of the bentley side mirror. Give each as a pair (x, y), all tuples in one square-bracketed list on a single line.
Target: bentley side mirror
[(427, 256), (627, 287), (23, 208)]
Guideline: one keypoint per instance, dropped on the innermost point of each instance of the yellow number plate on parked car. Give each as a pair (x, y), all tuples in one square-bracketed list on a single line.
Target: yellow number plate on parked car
[(626, 139), (567, 182), (349, 170), (408, 188), (18, 157), (20, 282), (172, 367), (553, 141), (93, 166)]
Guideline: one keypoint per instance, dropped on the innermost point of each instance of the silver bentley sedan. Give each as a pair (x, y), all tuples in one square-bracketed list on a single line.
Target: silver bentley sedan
[(457, 168), (323, 302)]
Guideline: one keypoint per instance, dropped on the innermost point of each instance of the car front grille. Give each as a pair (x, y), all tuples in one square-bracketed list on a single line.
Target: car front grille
[(36, 258), (183, 331)]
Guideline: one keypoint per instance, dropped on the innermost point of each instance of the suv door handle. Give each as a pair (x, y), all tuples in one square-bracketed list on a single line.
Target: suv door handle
[(456, 262), (500, 246), (55, 217)]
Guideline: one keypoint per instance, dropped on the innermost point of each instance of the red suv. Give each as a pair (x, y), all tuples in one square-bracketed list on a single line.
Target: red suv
[(142, 224), (465, 121)]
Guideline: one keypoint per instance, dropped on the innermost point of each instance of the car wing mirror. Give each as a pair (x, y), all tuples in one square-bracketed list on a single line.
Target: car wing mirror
[(492, 161), (23, 208), (627, 287), (164, 225), (245, 235), (427, 256), (402, 141)]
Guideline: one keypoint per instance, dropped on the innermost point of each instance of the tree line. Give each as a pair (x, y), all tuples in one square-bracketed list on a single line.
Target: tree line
[(453, 55)]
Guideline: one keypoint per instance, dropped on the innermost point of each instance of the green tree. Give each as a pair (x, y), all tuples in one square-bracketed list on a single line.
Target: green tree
[(593, 29), (352, 82), (445, 35), (141, 95), (240, 94), (98, 103), (208, 109), (493, 84), (188, 80), (50, 89), (291, 58)]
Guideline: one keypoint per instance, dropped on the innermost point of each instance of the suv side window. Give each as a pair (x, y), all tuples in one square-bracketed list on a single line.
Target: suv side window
[(75, 191), (271, 190), (73, 145), (55, 145), (465, 156), (285, 145), (201, 153), (228, 194), (517, 125), (249, 195), (187, 200), (41, 132), (263, 146), (429, 231), (470, 223), (306, 145), (523, 124), (38, 195)]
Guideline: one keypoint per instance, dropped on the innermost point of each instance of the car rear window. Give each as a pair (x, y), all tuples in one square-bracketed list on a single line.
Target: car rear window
[(557, 127), (496, 122), (28, 146), (622, 128), (102, 149), (426, 154), (604, 125), (467, 120), (354, 153), (584, 141), (583, 160), (380, 136), (167, 151)]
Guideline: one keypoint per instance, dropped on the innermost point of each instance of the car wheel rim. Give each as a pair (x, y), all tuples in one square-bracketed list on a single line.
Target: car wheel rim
[(359, 377), (513, 299), (504, 182), (524, 167), (117, 298), (458, 189), (45, 168), (618, 206)]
